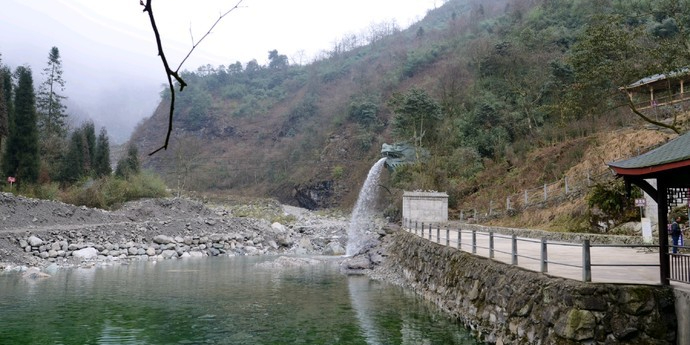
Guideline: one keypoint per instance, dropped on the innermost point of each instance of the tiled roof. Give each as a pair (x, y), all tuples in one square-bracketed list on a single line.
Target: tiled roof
[(648, 80), (676, 150)]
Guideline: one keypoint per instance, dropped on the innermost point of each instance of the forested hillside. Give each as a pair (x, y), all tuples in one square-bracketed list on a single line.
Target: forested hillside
[(488, 87)]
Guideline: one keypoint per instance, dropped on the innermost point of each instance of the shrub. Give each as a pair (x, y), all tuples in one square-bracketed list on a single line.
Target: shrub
[(111, 192), (610, 206), (337, 172), (48, 191)]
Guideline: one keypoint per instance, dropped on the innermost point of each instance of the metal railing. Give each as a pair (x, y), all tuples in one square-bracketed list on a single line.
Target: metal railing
[(680, 267), (680, 263)]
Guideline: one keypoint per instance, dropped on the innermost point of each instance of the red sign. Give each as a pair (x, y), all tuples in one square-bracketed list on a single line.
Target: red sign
[(11, 179)]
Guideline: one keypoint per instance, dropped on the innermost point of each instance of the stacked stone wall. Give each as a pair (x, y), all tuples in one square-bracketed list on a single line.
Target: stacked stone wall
[(504, 304)]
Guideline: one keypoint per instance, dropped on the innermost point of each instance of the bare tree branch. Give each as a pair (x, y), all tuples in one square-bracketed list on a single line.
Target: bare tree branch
[(169, 73), (194, 45), (632, 106)]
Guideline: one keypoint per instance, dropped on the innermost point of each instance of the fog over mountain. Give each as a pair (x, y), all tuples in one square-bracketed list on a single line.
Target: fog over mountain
[(111, 68)]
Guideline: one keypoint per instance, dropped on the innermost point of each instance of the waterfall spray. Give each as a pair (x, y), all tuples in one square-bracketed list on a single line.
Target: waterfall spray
[(362, 219)]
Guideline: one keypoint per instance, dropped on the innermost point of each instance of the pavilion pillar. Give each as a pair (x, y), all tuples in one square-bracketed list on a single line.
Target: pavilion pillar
[(681, 88), (662, 212)]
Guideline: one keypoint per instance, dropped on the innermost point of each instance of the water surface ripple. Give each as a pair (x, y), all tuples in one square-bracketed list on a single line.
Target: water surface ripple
[(216, 301)]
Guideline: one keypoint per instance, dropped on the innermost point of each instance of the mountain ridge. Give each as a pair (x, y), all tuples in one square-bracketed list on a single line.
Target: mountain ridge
[(500, 71)]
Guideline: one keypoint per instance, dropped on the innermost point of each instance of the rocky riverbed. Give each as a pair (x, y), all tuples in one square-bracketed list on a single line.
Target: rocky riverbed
[(39, 233)]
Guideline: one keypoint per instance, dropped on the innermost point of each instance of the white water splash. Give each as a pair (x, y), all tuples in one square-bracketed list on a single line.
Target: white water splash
[(362, 219)]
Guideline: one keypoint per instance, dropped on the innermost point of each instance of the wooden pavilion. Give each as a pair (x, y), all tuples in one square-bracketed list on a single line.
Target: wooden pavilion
[(669, 165), (659, 89)]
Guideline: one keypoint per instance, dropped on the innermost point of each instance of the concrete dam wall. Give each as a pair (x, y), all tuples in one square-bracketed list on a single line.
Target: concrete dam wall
[(504, 304)]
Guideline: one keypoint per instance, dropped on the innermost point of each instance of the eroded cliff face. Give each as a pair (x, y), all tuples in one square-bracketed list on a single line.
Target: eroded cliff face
[(508, 305)]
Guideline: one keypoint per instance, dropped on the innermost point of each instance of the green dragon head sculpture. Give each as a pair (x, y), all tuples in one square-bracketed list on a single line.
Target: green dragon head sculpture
[(402, 153)]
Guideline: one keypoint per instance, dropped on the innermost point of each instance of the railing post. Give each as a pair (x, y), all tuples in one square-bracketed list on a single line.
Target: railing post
[(491, 244), (422, 234), (514, 250), (474, 241), (586, 262), (459, 239), (447, 235), (438, 233), (544, 256), (526, 198), (430, 228), (567, 190)]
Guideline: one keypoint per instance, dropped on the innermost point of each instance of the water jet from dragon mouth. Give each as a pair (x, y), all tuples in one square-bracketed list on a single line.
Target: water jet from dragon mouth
[(362, 219)]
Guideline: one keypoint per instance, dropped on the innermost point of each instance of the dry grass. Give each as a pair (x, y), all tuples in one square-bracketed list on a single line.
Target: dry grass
[(597, 151)]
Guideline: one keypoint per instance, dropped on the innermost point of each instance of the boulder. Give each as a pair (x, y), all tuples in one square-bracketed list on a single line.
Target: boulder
[(195, 254), (250, 250), (169, 254), (34, 273), (34, 241), (86, 253), (163, 239), (334, 248), (277, 227), (358, 263)]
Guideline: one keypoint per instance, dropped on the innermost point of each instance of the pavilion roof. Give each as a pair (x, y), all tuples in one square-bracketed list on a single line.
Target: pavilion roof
[(674, 154), (683, 72)]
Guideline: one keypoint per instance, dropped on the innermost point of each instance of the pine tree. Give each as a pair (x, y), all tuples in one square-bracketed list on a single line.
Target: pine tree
[(79, 159), (72, 169), (128, 165), (6, 86), (21, 155), (52, 113), (4, 121), (102, 157), (52, 116), (89, 151)]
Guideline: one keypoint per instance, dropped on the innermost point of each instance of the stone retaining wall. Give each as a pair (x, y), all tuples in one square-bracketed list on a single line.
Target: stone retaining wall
[(504, 304)]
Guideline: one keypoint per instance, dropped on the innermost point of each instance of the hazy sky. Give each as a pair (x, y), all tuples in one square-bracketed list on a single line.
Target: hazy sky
[(109, 55)]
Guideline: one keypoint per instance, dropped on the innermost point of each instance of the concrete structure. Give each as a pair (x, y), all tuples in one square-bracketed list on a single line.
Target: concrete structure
[(427, 207), (682, 293)]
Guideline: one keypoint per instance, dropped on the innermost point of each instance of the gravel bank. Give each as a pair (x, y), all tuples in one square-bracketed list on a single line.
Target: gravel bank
[(46, 233)]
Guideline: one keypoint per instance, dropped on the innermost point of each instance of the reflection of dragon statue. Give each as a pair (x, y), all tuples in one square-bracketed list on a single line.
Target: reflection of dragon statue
[(401, 153)]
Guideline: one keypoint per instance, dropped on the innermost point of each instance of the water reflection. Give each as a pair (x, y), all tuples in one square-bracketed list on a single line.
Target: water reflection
[(359, 296), (216, 301)]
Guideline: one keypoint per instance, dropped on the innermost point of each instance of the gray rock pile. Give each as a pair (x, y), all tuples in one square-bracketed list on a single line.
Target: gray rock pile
[(38, 233)]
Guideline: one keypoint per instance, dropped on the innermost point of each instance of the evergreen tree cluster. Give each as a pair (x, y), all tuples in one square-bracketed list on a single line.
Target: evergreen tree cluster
[(35, 127), (86, 155)]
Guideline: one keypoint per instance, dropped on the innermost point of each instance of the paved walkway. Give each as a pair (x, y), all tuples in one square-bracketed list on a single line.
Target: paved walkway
[(564, 260)]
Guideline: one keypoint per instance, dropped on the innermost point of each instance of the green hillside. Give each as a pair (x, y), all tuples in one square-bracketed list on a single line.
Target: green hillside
[(490, 88)]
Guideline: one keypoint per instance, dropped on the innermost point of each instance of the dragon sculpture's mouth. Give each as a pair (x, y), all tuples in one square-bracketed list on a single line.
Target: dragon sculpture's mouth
[(401, 153)]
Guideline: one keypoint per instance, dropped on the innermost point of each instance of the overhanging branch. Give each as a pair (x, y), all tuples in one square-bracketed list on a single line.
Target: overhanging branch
[(632, 107), (169, 73)]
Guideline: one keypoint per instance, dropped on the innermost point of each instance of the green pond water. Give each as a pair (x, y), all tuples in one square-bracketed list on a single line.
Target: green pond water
[(216, 301)]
